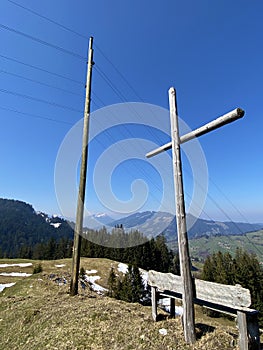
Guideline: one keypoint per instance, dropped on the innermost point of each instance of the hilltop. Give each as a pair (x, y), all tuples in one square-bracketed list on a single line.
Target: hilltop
[(37, 313)]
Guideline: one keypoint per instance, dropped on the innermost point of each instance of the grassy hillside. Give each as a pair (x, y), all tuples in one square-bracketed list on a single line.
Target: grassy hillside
[(37, 313), (252, 242)]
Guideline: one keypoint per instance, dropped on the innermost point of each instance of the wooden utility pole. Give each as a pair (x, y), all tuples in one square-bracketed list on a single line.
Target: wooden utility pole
[(82, 183), (184, 257)]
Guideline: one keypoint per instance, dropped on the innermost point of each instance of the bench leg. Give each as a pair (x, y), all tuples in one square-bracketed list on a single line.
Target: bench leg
[(154, 303), (242, 327), (249, 338), (253, 331), (172, 307)]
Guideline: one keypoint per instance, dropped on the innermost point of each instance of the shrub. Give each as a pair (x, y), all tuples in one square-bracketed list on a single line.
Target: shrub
[(38, 268)]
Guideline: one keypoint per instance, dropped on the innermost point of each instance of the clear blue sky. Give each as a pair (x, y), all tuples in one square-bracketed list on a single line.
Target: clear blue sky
[(211, 51)]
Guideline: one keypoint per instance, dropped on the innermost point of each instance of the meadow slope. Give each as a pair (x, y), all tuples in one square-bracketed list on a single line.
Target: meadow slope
[(37, 313)]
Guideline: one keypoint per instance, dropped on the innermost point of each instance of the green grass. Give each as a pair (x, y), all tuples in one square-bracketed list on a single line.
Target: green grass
[(251, 242), (36, 313)]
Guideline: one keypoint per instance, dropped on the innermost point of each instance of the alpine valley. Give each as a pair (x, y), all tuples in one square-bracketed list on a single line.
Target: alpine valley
[(21, 225)]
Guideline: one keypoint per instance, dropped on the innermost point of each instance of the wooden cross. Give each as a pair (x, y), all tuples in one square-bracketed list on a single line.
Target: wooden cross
[(185, 263)]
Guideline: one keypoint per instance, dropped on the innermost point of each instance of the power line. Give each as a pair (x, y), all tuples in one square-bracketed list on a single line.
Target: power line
[(42, 69), (36, 116), (82, 36), (39, 100), (111, 85), (69, 52), (120, 74), (228, 237), (229, 201), (225, 214), (48, 19), (103, 75), (121, 96), (98, 98), (123, 99), (39, 82), (43, 42), (233, 222)]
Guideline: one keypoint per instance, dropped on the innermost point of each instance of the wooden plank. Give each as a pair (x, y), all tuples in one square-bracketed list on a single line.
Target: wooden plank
[(215, 124), (230, 296), (242, 327), (165, 281)]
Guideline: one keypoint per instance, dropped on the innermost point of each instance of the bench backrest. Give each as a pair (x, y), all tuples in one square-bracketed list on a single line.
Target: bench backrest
[(235, 297)]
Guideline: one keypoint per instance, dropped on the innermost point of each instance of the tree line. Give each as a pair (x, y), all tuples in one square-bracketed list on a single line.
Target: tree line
[(244, 269), (132, 248), (151, 254)]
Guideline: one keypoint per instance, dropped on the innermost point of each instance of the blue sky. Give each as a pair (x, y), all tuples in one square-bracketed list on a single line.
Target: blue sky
[(210, 51)]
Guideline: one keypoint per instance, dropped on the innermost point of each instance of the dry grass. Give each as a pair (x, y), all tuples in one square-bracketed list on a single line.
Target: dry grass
[(36, 313)]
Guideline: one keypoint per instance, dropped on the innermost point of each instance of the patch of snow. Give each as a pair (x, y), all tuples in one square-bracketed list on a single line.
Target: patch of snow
[(91, 271), (56, 225), (19, 265), (5, 285), (96, 287), (163, 331), (100, 215), (179, 310), (144, 275), (123, 268), (165, 304), (15, 274), (60, 265)]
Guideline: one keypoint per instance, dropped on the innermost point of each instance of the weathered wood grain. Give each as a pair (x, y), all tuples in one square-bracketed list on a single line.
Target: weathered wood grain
[(184, 257), (231, 296), (215, 124)]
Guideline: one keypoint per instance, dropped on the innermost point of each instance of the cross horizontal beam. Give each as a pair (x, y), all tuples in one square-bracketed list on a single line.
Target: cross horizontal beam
[(215, 124)]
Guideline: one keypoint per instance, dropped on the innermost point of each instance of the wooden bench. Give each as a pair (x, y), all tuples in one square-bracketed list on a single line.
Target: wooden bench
[(231, 300)]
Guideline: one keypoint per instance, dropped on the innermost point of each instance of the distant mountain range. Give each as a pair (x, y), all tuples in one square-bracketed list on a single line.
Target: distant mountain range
[(21, 225), (154, 223)]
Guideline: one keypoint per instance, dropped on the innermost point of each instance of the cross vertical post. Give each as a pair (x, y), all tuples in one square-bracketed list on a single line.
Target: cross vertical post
[(184, 257), (185, 263)]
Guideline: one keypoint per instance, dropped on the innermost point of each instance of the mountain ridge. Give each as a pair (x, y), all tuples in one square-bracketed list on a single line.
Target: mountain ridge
[(147, 222), (21, 225)]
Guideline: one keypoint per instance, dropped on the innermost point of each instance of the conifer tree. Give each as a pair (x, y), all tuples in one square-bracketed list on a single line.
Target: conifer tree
[(243, 269), (130, 288), (112, 283)]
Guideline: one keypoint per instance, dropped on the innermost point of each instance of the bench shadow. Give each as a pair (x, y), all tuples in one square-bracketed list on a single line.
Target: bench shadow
[(162, 317), (202, 329)]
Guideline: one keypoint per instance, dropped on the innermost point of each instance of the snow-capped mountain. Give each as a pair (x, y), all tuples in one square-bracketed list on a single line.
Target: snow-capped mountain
[(96, 221)]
